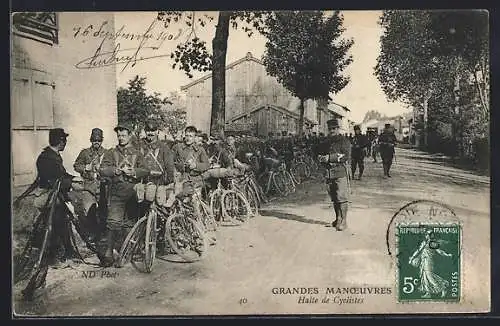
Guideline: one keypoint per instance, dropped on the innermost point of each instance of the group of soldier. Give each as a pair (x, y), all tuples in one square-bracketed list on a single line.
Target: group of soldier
[(110, 175)]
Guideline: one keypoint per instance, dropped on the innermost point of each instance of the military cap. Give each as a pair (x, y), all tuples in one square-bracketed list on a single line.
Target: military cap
[(387, 125), (96, 135), (57, 133), (151, 125), (332, 123), (357, 127), (124, 125)]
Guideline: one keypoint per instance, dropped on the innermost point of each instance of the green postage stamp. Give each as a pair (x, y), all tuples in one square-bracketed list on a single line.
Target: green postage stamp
[(429, 262)]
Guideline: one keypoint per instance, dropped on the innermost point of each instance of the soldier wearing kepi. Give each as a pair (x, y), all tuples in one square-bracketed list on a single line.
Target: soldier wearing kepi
[(159, 160), (88, 165), (124, 166), (339, 152), (158, 157), (386, 141), (360, 144)]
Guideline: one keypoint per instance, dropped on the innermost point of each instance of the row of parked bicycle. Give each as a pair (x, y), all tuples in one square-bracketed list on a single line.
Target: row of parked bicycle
[(182, 224)]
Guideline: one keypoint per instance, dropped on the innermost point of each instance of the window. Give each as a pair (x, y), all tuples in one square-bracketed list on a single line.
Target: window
[(38, 26), (32, 100)]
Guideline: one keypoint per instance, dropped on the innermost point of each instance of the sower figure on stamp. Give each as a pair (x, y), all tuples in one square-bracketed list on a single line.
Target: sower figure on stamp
[(124, 166), (88, 165), (159, 160), (336, 175), (386, 141), (360, 144)]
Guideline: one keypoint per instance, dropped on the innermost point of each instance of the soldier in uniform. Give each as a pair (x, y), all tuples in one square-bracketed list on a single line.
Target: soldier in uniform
[(159, 160), (191, 160), (158, 157), (88, 164), (386, 141), (359, 147), (50, 168), (336, 177), (124, 166)]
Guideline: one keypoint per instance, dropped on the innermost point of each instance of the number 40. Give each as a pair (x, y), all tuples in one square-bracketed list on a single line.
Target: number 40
[(409, 284)]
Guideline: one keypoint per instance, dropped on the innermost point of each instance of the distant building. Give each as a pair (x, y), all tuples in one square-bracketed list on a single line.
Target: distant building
[(249, 89), (265, 119), (48, 91)]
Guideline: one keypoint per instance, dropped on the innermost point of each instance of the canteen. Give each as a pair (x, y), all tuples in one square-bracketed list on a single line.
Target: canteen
[(139, 191), (150, 192)]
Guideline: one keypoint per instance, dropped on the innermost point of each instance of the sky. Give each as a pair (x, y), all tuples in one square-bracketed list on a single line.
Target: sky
[(362, 94)]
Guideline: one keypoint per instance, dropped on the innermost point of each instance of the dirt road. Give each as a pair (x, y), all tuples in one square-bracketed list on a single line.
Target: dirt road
[(292, 245)]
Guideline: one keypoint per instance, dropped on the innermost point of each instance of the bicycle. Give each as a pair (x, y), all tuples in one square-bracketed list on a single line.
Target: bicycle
[(34, 260), (278, 179)]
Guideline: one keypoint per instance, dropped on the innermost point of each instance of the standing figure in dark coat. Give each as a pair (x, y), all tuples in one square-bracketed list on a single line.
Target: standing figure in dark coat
[(359, 148), (336, 175), (386, 141)]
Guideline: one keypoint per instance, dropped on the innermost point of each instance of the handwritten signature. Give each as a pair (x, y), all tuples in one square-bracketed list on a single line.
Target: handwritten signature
[(118, 56)]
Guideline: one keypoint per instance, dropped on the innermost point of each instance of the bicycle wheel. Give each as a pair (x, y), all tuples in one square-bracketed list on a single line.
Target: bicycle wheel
[(150, 241), (132, 240), (279, 183), (289, 184), (235, 206), (251, 197), (295, 171), (258, 190), (186, 237), (208, 217), (216, 205)]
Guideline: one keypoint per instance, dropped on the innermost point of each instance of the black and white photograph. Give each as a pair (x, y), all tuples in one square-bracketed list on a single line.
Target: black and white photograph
[(212, 163)]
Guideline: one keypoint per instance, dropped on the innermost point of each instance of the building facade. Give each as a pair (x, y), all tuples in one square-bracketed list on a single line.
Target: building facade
[(48, 90), (249, 87)]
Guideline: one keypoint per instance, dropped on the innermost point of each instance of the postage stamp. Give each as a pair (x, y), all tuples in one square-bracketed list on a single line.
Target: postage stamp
[(429, 262)]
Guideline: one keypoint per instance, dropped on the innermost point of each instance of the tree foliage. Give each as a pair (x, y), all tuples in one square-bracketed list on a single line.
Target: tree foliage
[(440, 58), (194, 55), (305, 51), (135, 106)]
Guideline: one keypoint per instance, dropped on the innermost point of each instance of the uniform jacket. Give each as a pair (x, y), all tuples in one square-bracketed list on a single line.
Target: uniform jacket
[(183, 152), (121, 156), (89, 156), (49, 165), (226, 156), (386, 142), (359, 144), (338, 144), (158, 157)]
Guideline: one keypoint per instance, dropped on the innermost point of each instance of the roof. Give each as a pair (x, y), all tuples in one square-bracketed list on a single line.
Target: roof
[(271, 106), (248, 57)]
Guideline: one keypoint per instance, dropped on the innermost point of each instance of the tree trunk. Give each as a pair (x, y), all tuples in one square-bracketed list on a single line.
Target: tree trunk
[(300, 130), (426, 129), (219, 49)]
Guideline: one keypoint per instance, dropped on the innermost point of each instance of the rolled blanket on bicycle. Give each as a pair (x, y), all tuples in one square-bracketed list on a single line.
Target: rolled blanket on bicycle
[(140, 189), (150, 192), (218, 173)]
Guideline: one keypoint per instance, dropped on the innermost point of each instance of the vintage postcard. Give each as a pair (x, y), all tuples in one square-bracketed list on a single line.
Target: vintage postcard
[(250, 163)]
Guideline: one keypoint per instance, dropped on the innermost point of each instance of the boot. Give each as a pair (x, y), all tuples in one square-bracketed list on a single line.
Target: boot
[(107, 260), (388, 168), (342, 224), (384, 165), (361, 170), (353, 170), (336, 207)]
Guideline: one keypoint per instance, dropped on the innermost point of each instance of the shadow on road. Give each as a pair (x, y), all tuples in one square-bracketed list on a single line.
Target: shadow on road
[(293, 217)]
